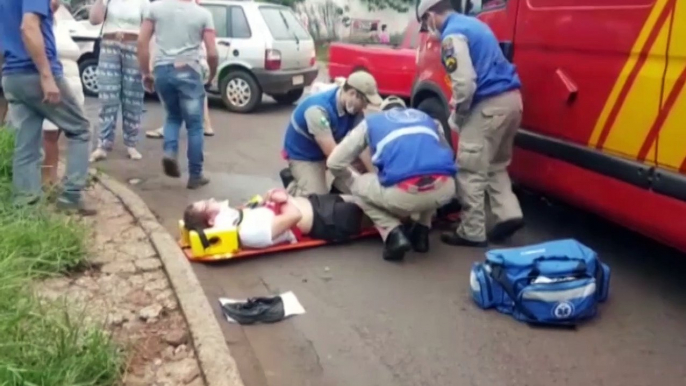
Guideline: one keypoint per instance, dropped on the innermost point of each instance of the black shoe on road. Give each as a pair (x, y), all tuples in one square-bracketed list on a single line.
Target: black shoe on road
[(396, 245)]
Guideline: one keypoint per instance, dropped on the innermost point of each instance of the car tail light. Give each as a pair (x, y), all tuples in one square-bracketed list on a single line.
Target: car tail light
[(272, 59), (313, 59)]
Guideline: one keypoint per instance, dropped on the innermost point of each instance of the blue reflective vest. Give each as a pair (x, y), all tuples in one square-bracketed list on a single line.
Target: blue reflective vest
[(494, 74), (405, 143), (299, 144)]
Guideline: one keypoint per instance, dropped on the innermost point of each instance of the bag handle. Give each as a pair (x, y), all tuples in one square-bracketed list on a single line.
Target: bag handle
[(104, 19), (499, 276)]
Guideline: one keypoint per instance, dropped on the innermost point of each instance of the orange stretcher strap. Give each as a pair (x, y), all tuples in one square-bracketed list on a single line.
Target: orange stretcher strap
[(305, 242)]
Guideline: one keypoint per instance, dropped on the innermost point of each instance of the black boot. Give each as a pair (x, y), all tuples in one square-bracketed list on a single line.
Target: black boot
[(420, 238), (505, 229), (396, 245), (286, 177)]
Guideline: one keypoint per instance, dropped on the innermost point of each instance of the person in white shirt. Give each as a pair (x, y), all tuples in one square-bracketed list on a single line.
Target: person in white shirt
[(119, 77), (68, 53), (280, 218)]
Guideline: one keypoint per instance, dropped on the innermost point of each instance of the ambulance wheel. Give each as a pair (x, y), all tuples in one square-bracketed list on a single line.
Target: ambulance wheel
[(288, 98), (434, 108), (240, 91)]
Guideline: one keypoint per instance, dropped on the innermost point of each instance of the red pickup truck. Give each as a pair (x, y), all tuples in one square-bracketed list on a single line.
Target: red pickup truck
[(393, 67)]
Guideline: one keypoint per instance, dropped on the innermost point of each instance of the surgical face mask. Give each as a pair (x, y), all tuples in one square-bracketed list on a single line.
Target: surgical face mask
[(350, 107)]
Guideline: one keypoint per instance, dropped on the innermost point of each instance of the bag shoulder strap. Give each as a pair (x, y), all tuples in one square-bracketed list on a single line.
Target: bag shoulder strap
[(104, 19)]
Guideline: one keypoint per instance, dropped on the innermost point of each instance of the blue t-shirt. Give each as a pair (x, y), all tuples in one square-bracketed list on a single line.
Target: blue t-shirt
[(17, 58)]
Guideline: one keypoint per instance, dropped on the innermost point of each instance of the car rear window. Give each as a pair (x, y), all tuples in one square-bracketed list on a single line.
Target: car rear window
[(283, 24)]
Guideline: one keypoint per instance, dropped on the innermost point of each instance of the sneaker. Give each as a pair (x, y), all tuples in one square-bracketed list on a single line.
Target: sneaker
[(133, 153), (209, 132), (197, 182), (98, 155), (171, 167), (157, 133), (70, 208)]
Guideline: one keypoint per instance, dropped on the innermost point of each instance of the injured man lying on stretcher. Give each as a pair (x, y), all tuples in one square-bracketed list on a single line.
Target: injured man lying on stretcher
[(280, 218)]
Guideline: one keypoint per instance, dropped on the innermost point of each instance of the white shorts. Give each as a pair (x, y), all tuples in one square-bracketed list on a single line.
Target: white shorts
[(255, 230), (77, 91)]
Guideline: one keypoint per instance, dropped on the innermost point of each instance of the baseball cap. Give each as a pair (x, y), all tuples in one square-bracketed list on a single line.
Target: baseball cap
[(392, 100), (423, 7), (365, 83)]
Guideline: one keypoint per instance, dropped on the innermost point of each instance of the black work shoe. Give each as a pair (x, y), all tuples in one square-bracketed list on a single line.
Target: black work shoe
[(396, 245), (505, 229), (254, 310), (420, 238), (286, 177), (75, 208), (197, 182), (171, 167), (452, 238)]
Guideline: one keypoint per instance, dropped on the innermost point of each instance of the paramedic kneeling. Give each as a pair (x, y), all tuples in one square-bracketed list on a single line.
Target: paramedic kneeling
[(415, 173), (487, 111), (318, 124), (280, 218)]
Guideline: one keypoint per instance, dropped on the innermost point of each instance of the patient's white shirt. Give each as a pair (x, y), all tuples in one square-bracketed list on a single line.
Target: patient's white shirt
[(255, 229)]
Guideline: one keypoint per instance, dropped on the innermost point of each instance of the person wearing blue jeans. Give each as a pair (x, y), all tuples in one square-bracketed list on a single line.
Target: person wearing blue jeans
[(183, 94), (180, 28), (36, 90)]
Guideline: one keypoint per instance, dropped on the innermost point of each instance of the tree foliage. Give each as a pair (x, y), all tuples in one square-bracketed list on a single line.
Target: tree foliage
[(397, 5)]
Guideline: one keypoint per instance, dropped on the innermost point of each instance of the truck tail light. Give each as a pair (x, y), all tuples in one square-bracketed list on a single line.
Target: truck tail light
[(272, 59), (313, 59)]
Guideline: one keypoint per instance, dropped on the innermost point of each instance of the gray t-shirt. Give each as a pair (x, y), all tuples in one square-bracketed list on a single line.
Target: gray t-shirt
[(179, 27)]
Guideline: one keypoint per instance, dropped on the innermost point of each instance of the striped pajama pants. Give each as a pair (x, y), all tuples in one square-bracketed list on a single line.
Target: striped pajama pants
[(119, 83)]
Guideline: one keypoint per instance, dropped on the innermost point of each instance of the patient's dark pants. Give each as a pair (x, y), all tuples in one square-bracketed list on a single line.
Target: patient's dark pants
[(334, 219)]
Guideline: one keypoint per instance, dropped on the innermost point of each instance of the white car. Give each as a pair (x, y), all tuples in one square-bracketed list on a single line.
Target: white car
[(85, 37)]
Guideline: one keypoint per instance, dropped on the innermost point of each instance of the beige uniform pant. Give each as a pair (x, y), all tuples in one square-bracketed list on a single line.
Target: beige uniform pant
[(312, 177), (385, 206), (483, 155)]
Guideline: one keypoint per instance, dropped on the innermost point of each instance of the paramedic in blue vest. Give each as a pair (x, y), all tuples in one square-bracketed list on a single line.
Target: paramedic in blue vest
[(318, 124), (486, 112), (415, 173)]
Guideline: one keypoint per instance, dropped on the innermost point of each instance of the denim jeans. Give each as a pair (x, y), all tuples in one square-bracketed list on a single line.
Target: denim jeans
[(27, 112), (182, 93)]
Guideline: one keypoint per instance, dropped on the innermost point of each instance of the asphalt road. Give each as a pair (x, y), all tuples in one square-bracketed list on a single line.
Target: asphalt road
[(373, 323)]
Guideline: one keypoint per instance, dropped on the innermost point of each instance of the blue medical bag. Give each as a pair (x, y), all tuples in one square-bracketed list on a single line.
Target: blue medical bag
[(555, 283)]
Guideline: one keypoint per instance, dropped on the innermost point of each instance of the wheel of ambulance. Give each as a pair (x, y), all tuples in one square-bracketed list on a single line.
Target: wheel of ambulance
[(240, 91), (88, 69), (290, 97), (434, 107)]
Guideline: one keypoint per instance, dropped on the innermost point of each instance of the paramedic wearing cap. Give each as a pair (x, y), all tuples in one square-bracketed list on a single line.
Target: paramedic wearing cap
[(415, 173), (487, 111), (318, 124)]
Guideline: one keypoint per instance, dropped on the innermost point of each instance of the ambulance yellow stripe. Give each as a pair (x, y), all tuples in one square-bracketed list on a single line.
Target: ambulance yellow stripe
[(672, 134), (628, 68)]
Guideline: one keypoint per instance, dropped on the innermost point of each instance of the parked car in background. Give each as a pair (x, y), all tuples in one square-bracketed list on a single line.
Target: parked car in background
[(85, 37), (393, 67), (263, 49)]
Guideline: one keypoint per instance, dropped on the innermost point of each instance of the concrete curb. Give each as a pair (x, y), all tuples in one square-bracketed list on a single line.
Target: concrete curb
[(214, 357)]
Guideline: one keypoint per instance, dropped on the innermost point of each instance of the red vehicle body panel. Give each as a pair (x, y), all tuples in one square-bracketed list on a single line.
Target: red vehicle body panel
[(599, 74), (393, 67)]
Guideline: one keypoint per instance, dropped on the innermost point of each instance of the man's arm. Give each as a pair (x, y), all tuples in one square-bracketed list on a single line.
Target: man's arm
[(347, 151), (144, 37), (34, 12), (208, 37), (319, 126), (441, 133), (366, 155), (96, 15), (458, 65)]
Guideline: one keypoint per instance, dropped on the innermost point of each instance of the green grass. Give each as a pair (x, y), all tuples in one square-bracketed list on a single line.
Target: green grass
[(321, 51), (40, 342)]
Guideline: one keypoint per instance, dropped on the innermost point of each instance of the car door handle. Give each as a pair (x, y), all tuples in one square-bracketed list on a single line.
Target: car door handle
[(222, 43)]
